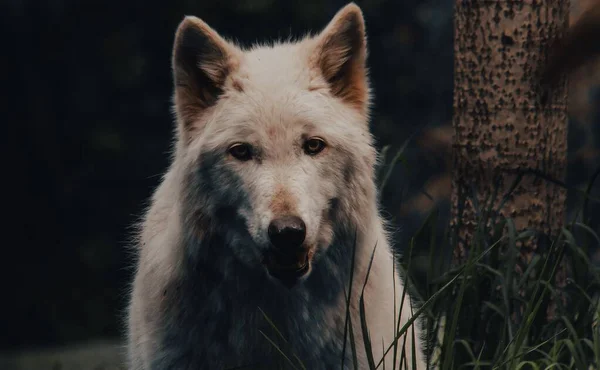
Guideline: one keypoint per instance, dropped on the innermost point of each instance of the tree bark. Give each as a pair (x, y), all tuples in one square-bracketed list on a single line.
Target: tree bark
[(504, 123)]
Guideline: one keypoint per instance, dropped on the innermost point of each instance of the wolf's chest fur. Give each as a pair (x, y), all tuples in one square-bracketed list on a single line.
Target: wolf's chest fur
[(216, 321)]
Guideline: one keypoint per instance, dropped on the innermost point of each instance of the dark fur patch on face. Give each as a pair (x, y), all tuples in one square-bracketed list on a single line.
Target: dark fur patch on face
[(216, 183), (214, 194), (334, 205)]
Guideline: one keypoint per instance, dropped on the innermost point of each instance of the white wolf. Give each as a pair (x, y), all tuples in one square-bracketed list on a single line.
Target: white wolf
[(271, 187)]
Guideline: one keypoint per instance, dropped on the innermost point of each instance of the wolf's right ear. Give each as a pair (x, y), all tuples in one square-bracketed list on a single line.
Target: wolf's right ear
[(201, 62), (341, 57)]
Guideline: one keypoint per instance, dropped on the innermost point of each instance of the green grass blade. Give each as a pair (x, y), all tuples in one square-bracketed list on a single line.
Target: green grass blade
[(278, 349), (348, 297), (363, 316)]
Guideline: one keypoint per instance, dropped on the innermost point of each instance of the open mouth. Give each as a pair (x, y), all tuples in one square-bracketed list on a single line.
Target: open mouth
[(289, 269)]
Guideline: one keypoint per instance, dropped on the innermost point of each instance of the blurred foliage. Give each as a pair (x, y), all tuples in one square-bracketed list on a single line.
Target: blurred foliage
[(88, 108)]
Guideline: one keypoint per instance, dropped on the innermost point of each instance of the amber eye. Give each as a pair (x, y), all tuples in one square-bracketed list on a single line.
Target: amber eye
[(241, 151), (314, 146)]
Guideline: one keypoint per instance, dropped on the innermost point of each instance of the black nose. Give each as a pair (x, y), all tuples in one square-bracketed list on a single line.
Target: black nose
[(287, 232)]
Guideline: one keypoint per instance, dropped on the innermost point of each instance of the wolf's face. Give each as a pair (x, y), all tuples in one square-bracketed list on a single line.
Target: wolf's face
[(274, 137)]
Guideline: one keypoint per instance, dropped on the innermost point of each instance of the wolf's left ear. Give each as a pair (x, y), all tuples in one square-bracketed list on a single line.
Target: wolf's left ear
[(341, 57), (202, 61)]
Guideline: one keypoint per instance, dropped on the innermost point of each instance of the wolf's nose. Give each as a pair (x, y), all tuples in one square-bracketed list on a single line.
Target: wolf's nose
[(287, 232)]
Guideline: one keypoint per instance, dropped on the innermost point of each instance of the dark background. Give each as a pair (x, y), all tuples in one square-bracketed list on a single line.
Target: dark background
[(86, 100)]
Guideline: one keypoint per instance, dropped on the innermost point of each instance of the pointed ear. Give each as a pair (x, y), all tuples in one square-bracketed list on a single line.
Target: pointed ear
[(202, 61), (341, 57)]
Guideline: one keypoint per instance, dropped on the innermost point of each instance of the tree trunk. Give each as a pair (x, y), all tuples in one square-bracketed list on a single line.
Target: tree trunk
[(504, 124)]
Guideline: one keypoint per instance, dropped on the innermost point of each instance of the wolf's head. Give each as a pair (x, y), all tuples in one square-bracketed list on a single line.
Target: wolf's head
[(275, 140)]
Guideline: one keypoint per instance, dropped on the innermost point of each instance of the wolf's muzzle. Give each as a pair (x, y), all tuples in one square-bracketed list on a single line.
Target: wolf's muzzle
[(288, 258)]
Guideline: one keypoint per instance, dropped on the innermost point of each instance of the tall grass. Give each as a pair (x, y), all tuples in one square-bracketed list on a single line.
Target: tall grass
[(496, 318)]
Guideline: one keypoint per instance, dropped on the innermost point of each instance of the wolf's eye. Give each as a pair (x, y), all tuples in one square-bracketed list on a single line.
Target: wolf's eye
[(314, 146), (241, 151)]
